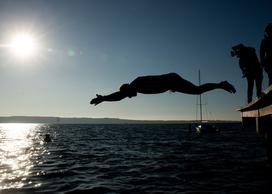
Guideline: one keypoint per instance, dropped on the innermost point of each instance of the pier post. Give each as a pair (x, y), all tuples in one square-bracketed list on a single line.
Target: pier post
[(258, 114), (264, 127), (248, 122), (268, 142)]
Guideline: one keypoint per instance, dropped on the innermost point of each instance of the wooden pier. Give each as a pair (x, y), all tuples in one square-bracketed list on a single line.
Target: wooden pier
[(258, 114)]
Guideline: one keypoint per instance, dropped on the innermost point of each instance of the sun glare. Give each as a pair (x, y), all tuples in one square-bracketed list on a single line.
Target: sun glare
[(23, 45), (16, 152)]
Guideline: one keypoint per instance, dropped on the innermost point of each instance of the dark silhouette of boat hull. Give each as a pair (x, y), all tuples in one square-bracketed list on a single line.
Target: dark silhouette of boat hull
[(206, 128)]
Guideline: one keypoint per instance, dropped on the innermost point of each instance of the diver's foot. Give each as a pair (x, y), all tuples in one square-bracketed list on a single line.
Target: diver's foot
[(227, 86)]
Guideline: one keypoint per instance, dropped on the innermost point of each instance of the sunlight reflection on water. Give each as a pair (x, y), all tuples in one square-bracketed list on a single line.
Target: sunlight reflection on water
[(16, 150)]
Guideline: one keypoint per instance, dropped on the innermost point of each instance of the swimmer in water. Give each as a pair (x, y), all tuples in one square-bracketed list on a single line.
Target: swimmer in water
[(47, 138)]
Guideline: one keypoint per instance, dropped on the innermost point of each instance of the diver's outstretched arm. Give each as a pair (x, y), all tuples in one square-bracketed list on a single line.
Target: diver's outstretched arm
[(117, 96)]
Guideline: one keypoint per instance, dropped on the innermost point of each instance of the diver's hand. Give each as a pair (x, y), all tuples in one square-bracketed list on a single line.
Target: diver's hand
[(97, 100)]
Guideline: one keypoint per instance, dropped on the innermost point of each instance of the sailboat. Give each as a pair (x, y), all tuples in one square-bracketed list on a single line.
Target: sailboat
[(204, 126)]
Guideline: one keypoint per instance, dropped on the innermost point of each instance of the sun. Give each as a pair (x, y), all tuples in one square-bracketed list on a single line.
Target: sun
[(23, 45)]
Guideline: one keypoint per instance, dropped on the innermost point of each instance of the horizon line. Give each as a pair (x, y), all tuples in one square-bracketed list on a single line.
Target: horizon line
[(114, 118)]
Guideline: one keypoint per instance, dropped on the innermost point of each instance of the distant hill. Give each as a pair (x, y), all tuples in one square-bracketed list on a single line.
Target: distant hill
[(76, 120)]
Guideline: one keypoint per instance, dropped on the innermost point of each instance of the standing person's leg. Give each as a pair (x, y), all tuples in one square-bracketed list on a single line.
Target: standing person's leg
[(269, 73), (259, 81), (250, 84)]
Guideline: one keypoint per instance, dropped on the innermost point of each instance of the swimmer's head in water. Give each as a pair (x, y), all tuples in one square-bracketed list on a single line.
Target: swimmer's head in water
[(47, 138), (128, 90)]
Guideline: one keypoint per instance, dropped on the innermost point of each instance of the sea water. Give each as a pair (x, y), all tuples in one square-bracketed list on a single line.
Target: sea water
[(117, 159)]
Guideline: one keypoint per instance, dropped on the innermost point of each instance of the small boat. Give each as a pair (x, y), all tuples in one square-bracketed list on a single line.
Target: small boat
[(204, 126)]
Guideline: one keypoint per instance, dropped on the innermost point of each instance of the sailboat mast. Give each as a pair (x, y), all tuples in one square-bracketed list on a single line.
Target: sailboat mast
[(200, 102)]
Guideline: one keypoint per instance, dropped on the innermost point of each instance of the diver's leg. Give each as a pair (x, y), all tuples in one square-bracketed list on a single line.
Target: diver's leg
[(181, 85), (224, 85), (178, 84)]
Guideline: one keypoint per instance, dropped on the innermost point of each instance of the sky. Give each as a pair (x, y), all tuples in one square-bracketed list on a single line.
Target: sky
[(89, 47)]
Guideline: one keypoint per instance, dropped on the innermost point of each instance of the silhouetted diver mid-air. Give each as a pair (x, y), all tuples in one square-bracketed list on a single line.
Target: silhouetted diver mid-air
[(155, 84)]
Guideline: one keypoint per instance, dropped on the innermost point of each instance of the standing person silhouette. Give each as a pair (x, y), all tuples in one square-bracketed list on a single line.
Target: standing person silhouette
[(251, 68), (154, 84), (266, 52)]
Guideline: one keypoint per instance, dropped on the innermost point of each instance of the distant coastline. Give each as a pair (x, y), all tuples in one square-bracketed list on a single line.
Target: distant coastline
[(86, 120)]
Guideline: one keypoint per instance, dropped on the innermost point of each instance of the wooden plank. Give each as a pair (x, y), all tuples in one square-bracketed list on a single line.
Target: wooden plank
[(258, 113), (252, 113), (261, 106), (265, 111)]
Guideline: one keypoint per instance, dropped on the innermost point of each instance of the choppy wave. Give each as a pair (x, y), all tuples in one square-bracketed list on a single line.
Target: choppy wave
[(117, 159)]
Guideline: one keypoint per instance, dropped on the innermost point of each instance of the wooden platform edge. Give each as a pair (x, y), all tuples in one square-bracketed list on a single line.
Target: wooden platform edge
[(265, 111), (260, 104)]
